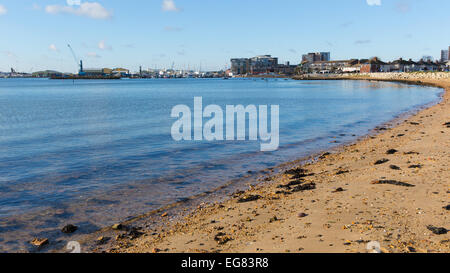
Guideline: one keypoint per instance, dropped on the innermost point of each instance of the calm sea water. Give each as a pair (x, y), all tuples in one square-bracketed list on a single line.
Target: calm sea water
[(95, 152)]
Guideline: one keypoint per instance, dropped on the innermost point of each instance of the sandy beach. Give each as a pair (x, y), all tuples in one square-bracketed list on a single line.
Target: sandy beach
[(392, 187)]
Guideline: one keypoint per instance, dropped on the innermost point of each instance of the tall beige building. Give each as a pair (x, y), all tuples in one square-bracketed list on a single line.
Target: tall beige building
[(445, 55)]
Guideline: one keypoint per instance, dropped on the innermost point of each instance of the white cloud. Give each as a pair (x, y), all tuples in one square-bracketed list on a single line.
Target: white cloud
[(53, 47), (373, 2), (3, 10), (169, 5), (103, 46), (93, 55), (88, 9), (73, 2)]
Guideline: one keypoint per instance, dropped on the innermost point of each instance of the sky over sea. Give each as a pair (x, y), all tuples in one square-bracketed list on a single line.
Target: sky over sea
[(207, 33)]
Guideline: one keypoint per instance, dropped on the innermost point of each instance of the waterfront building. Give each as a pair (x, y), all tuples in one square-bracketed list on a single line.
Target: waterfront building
[(93, 72), (263, 64), (256, 65), (99, 72), (46, 74), (317, 57), (412, 66), (327, 66), (445, 55), (401, 65), (308, 58), (427, 65), (240, 66), (325, 56), (121, 71), (286, 69), (352, 68), (107, 71), (374, 65)]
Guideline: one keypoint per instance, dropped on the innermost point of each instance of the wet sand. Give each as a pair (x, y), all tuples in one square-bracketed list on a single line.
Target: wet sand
[(392, 187)]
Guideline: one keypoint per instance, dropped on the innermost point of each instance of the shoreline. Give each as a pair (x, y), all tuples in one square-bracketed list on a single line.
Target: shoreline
[(232, 238)]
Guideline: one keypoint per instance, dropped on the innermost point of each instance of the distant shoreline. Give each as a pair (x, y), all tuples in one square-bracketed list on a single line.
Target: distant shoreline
[(85, 78), (264, 76)]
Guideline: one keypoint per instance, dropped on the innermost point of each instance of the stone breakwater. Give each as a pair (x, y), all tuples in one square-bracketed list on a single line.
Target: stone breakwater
[(415, 76), (406, 76)]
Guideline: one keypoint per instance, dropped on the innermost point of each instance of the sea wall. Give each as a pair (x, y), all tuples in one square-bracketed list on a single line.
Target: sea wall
[(404, 76), (414, 76)]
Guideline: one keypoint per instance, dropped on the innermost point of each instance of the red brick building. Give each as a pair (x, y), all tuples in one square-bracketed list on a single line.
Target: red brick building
[(372, 66)]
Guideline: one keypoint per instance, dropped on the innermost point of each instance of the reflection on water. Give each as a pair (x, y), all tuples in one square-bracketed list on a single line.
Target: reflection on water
[(96, 152)]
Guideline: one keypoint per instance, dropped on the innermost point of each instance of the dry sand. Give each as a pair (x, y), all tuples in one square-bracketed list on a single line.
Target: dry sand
[(345, 210)]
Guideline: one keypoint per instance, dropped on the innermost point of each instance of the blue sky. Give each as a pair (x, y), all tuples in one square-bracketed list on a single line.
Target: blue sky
[(190, 33)]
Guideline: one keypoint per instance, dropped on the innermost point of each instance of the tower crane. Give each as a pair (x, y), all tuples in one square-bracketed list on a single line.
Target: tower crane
[(80, 71)]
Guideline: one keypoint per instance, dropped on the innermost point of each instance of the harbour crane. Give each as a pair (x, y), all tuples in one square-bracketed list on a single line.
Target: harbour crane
[(80, 71)]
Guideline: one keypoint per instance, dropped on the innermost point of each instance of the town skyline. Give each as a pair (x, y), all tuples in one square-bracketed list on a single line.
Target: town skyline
[(165, 33)]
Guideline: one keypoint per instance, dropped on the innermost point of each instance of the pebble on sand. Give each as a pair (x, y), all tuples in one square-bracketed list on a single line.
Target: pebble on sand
[(117, 227), (381, 161), (392, 182), (249, 198), (273, 219), (342, 172), (391, 151), (69, 229), (102, 240), (39, 242), (221, 238), (156, 250), (302, 215), (437, 230), (338, 190)]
